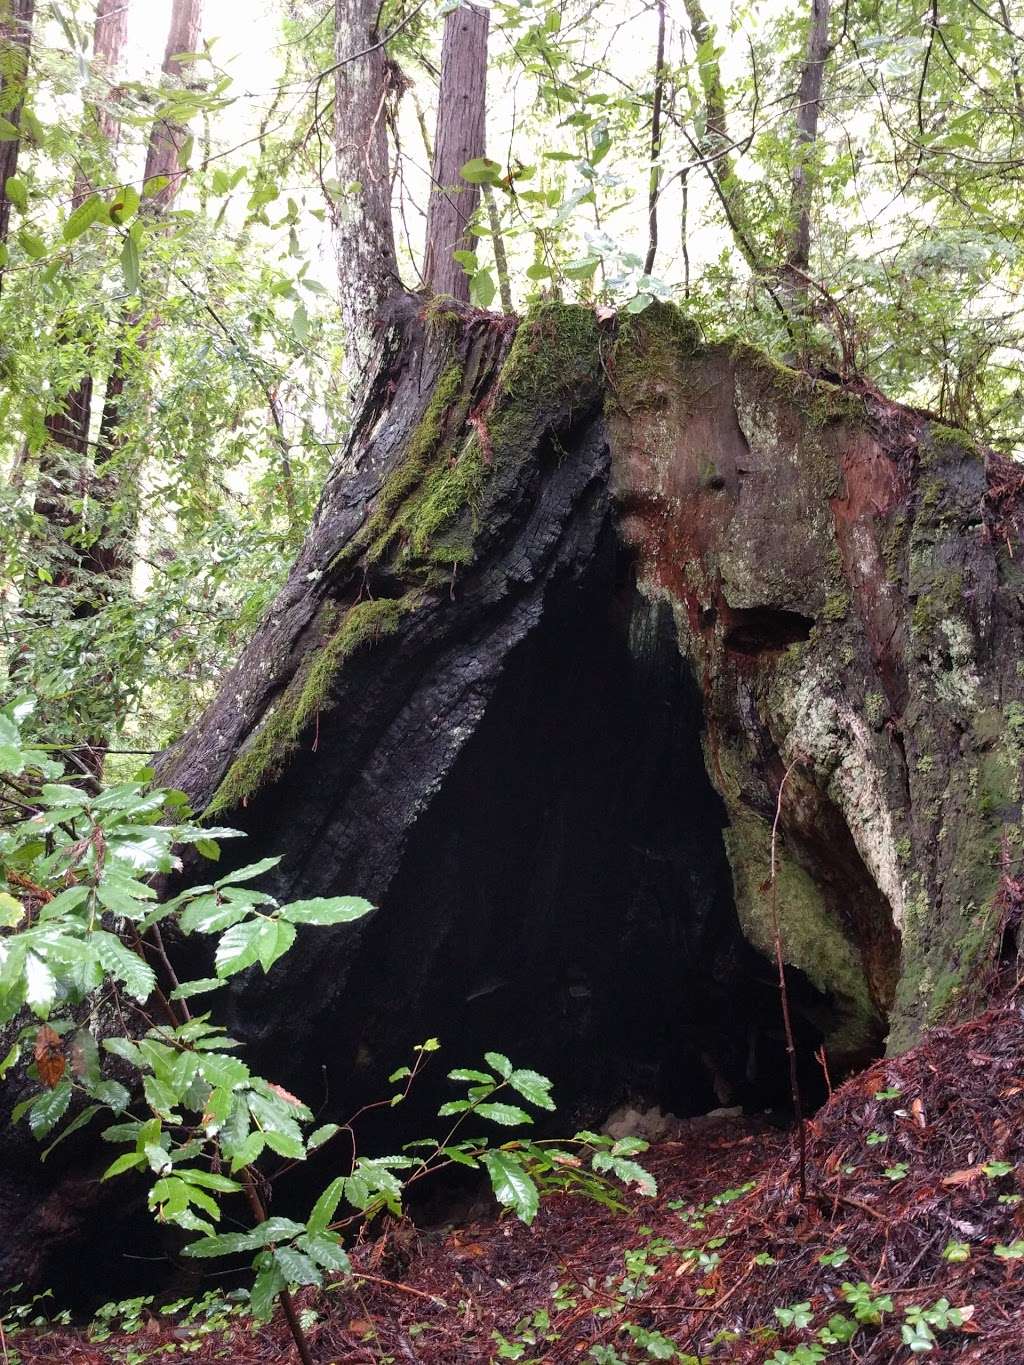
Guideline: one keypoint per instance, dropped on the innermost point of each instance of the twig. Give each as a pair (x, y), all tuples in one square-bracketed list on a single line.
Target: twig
[(787, 1022)]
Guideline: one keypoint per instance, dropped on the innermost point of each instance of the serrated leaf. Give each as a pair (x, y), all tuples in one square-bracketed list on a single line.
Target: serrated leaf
[(507, 1114), (499, 1063), (326, 1250), (533, 1087), (512, 1186), (326, 910), (126, 966), (40, 985), (247, 873), (326, 1206), (320, 1135), (48, 1108), (263, 1295)]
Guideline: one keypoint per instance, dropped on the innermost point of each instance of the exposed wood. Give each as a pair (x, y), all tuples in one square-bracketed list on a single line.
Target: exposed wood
[(461, 136)]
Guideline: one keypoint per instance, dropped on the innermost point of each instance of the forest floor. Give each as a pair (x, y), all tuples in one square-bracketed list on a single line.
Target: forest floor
[(909, 1245)]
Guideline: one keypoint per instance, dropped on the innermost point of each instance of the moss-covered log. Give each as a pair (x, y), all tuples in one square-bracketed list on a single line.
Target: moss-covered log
[(582, 598)]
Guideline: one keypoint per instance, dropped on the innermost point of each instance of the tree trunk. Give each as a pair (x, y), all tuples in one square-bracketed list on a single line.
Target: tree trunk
[(591, 590), (366, 83), (68, 427), (807, 113), (167, 138), (461, 137), (15, 43)]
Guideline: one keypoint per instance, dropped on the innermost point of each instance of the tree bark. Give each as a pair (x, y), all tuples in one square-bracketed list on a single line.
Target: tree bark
[(167, 138), (68, 427), (654, 184), (461, 136), (590, 592), (807, 115), (15, 45), (365, 84)]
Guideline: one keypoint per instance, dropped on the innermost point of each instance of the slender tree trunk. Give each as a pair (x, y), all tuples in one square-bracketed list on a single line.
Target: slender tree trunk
[(15, 43), (714, 145), (162, 159), (654, 184), (365, 82), (807, 115), (167, 138), (68, 427), (461, 137)]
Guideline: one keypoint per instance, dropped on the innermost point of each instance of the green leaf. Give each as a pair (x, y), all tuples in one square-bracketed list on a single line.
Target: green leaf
[(326, 910), (12, 911), (40, 985), (482, 289), (320, 1135), (296, 1266), (126, 1162), (247, 873), (124, 965), (17, 192), (326, 1250), (533, 1087), (32, 244), (326, 1206), (130, 267), (512, 1186), (49, 1108), (499, 1063), (508, 1114), (238, 948), (189, 988), (83, 218), (263, 1295), (481, 171)]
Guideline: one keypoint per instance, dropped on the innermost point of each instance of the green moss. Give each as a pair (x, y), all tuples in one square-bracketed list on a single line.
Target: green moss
[(647, 353), (837, 606), (306, 695), (423, 447), (812, 938)]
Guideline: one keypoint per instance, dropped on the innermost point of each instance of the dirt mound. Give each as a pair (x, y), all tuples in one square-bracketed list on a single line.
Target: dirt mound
[(911, 1243)]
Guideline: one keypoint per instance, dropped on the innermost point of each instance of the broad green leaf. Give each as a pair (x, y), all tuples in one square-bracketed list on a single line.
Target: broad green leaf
[(533, 1087), (126, 1162), (326, 910), (40, 985), (263, 1295), (12, 911), (512, 1186), (48, 1108), (326, 1250), (326, 1206), (482, 289), (481, 171), (500, 1063), (507, 1114), (83, 217), (130, 266), (125, 965), (189, 988), (17, 192), (247, 873), (320, 1135), (296, 1266)]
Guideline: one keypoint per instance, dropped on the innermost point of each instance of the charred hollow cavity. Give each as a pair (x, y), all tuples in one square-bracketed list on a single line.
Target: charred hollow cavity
[(565, 898)]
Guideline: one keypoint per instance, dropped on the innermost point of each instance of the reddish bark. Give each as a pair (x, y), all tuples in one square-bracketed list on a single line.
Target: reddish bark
[(461, 137)]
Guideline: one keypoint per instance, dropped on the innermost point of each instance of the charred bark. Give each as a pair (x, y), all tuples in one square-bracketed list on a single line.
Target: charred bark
[(590, 590)]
